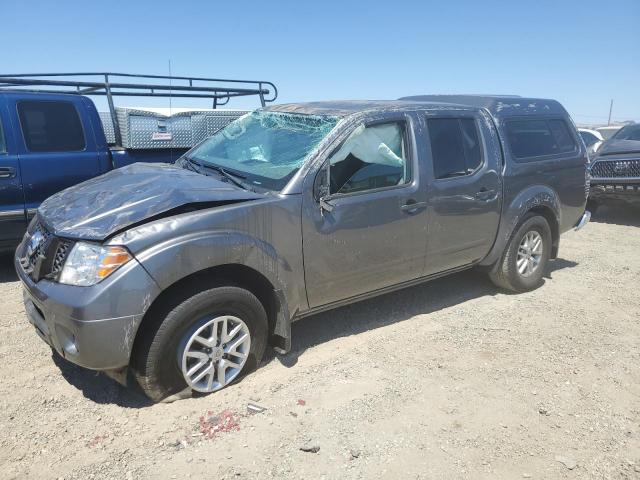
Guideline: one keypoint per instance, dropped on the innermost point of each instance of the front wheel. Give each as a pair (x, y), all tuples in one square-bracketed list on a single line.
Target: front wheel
[(526, 256), (203, 344)]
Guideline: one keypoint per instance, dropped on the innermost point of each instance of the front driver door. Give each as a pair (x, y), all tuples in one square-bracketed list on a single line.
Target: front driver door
[(371, 232)]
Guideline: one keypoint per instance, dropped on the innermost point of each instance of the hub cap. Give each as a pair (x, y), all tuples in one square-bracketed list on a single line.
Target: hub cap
[(215, 353), (529, 253)]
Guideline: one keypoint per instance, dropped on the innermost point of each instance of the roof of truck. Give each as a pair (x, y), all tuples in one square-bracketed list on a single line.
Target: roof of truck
[(343, 108), (498, 105)]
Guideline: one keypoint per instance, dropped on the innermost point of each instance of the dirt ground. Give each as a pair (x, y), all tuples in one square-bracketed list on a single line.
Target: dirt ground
[(452, 379)]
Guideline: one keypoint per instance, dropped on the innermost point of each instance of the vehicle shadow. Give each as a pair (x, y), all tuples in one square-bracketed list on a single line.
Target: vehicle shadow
[(558, 264), (7, 272), (393, 308), (618, 213), (98, 387)]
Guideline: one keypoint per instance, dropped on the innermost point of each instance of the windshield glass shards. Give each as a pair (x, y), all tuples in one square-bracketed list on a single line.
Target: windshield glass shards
[(264, 148)]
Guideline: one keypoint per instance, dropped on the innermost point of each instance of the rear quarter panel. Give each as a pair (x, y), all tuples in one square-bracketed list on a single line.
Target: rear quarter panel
[(558, 183), (561, 180), (563, 175)]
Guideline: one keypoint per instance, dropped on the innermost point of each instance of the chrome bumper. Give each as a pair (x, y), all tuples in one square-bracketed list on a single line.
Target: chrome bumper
[(586, 216)]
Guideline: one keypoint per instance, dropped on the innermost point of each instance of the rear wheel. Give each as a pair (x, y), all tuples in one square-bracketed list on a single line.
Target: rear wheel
[(203, 344), (526, 256)]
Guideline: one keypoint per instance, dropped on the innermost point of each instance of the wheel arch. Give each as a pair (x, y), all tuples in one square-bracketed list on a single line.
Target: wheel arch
[(554, 225), (232, 274), (539, 199)]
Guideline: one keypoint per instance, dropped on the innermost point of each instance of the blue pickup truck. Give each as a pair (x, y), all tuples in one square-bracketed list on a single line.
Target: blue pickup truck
[(52, 135)]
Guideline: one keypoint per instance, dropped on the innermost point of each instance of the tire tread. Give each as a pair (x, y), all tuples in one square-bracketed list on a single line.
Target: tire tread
[(502, 276), (149, 348)]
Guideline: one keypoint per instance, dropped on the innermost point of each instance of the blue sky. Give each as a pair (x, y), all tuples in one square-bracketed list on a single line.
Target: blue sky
[(580, 52)]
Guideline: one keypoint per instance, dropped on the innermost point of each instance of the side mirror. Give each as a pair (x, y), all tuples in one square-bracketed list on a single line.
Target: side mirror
[(321, 183), (321, 189), (325, 205)]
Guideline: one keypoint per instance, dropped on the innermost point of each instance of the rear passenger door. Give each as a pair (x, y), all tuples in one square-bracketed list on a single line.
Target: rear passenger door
[(465, 189), (57, 147)]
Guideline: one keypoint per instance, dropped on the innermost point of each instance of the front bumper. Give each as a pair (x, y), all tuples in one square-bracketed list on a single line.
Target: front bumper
[(622, 190), (617, 175), (93, 327)]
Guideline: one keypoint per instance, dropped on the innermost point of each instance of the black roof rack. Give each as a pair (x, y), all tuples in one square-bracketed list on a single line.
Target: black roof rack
[(111, 84)]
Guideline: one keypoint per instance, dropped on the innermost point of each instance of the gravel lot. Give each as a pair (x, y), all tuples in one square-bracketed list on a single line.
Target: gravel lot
[(451, 379)]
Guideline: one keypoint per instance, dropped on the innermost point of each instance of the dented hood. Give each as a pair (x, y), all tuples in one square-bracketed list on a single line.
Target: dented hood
[(102, 206)]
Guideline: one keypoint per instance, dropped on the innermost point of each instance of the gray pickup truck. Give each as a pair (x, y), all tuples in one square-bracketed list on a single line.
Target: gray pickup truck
[(177, 277)]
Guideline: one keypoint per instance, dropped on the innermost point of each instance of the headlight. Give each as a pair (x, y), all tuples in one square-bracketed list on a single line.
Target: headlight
[(89, 263)]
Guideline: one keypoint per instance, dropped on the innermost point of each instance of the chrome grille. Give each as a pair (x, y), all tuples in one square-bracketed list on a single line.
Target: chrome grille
[(616, 169), (32, 255), (43, 254), (61, 255)]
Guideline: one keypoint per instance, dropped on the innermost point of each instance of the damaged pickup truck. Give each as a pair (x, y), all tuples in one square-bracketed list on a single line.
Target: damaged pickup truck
[(177, 277)]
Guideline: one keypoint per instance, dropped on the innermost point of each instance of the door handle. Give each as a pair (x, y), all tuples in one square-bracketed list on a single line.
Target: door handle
[(486, 195), (412, 206), (7, 172)]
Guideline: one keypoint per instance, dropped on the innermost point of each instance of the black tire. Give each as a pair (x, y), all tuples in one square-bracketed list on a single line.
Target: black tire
[(154, 360), (505, 275)]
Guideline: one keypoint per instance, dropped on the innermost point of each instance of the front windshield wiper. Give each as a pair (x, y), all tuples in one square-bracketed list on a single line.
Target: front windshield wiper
[(193, 165), (232, 177), (200, 167)]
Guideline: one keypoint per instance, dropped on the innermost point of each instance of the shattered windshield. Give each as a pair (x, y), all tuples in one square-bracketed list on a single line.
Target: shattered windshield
[(264, 148)]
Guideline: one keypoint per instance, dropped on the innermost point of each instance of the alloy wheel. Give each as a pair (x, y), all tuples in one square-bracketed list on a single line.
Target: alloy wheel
[(529, 253), (214, 354)]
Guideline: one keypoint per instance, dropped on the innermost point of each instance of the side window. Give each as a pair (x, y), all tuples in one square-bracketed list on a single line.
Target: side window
[(51, 126), (536, 138), (564, 140), (455, 146), (372, 157), (471, 142), (3, 144)]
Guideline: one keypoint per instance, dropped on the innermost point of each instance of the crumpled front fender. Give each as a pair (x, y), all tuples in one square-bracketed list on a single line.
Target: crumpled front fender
[(171, 261)]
